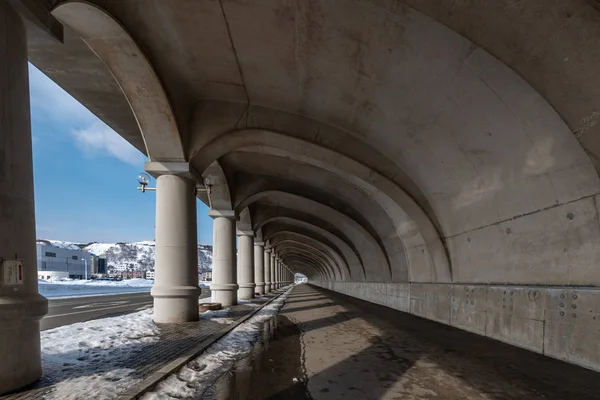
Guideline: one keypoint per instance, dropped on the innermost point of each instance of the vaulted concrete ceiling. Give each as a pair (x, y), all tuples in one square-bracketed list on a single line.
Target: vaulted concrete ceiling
[(433, 140)]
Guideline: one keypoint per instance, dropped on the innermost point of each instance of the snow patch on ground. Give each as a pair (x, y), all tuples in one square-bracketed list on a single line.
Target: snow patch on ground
[(248, 303), (85, 359), (199, 374), (219, 316)]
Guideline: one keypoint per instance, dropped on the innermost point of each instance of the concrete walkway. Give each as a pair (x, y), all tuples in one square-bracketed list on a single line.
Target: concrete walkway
[(329, 346), (176, 342)]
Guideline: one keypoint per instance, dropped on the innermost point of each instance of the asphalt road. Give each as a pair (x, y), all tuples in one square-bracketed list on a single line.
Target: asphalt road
[(69, 311)]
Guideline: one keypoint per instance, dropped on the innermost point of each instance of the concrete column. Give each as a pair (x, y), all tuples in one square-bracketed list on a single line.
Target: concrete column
[(259, 267), (245, 271), (224, 287), (279, 285), (267, 269), (285, 276), (176, 289), (21, 307), (273, 277), (280, 273)]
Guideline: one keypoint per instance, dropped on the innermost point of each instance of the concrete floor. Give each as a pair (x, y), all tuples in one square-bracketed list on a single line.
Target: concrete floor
[(328, 346)]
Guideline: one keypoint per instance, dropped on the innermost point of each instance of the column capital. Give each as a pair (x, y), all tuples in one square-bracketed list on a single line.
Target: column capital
[(244, 233), (183, 169), (268, 249), (259, 243), (229, 214)]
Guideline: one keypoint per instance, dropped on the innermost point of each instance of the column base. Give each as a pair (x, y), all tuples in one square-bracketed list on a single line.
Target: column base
[(175, 304), (268, 287), (20, 340), (224, 293), (246, 291), (260, 288)]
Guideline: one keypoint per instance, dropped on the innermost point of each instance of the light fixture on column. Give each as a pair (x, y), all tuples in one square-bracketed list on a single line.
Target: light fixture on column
[(144, 180), (208, 184)]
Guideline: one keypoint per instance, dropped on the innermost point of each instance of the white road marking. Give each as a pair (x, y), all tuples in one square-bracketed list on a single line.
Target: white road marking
[(102, 304)]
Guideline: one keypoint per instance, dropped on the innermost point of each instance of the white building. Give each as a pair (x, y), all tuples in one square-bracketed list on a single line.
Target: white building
[(72, 261), (150, 275), (205, 276)]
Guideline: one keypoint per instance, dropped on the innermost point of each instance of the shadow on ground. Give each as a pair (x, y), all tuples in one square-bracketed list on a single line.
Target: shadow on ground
[(488, 368)]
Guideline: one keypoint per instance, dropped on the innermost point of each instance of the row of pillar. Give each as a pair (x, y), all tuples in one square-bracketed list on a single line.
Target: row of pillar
[(176, 291), (257, 269)]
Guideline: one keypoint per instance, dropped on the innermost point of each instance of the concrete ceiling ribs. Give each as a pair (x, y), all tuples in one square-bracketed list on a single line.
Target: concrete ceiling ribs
[(381, 141)]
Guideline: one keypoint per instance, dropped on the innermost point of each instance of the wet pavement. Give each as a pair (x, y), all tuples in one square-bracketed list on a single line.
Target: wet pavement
[(324, 345)]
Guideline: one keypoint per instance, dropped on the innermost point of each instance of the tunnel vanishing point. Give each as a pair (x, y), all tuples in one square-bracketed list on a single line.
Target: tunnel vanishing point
[(437, 157)]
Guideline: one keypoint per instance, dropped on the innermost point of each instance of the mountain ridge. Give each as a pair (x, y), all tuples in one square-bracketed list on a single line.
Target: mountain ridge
[(138, 256)]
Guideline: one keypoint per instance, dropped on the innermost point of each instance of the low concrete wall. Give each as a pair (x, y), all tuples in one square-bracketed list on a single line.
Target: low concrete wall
[(560, 322)]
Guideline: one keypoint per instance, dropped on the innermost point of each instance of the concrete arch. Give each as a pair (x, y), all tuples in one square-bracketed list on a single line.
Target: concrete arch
[(413, 225), (351, 256), (370, 249), (297, 265), (213, 119), (469, 133), (259, 235), (310, 255), (314, 261), (220, 196), (264, 212), (136, 77), (339, 265), (244, 224), (267, 212), (308, 237)]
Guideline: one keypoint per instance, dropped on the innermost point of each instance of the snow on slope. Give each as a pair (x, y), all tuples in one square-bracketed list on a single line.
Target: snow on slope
[(99, 249), (64, 245), (136, 255)]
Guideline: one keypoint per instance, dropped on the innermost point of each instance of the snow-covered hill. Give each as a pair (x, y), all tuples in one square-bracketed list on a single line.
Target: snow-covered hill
[(136, 255)]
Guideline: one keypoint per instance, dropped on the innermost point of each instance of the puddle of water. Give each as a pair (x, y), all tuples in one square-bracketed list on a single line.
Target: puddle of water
[(273, 370)]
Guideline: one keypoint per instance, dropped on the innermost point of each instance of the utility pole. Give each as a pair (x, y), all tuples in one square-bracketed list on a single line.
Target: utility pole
[(85, 259)]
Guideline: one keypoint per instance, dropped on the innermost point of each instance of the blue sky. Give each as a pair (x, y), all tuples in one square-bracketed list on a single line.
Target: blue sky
[(85, 174)]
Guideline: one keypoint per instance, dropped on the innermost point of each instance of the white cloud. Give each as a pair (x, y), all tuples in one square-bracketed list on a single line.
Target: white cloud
[(52, 102), (98, 138)]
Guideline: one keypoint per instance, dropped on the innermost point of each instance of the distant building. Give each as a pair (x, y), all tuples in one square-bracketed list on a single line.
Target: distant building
[(205, 275), (150, 275), (98, 265), (71, 262)]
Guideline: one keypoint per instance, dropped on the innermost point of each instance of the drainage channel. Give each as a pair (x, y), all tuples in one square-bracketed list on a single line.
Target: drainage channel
[(261, 358)]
